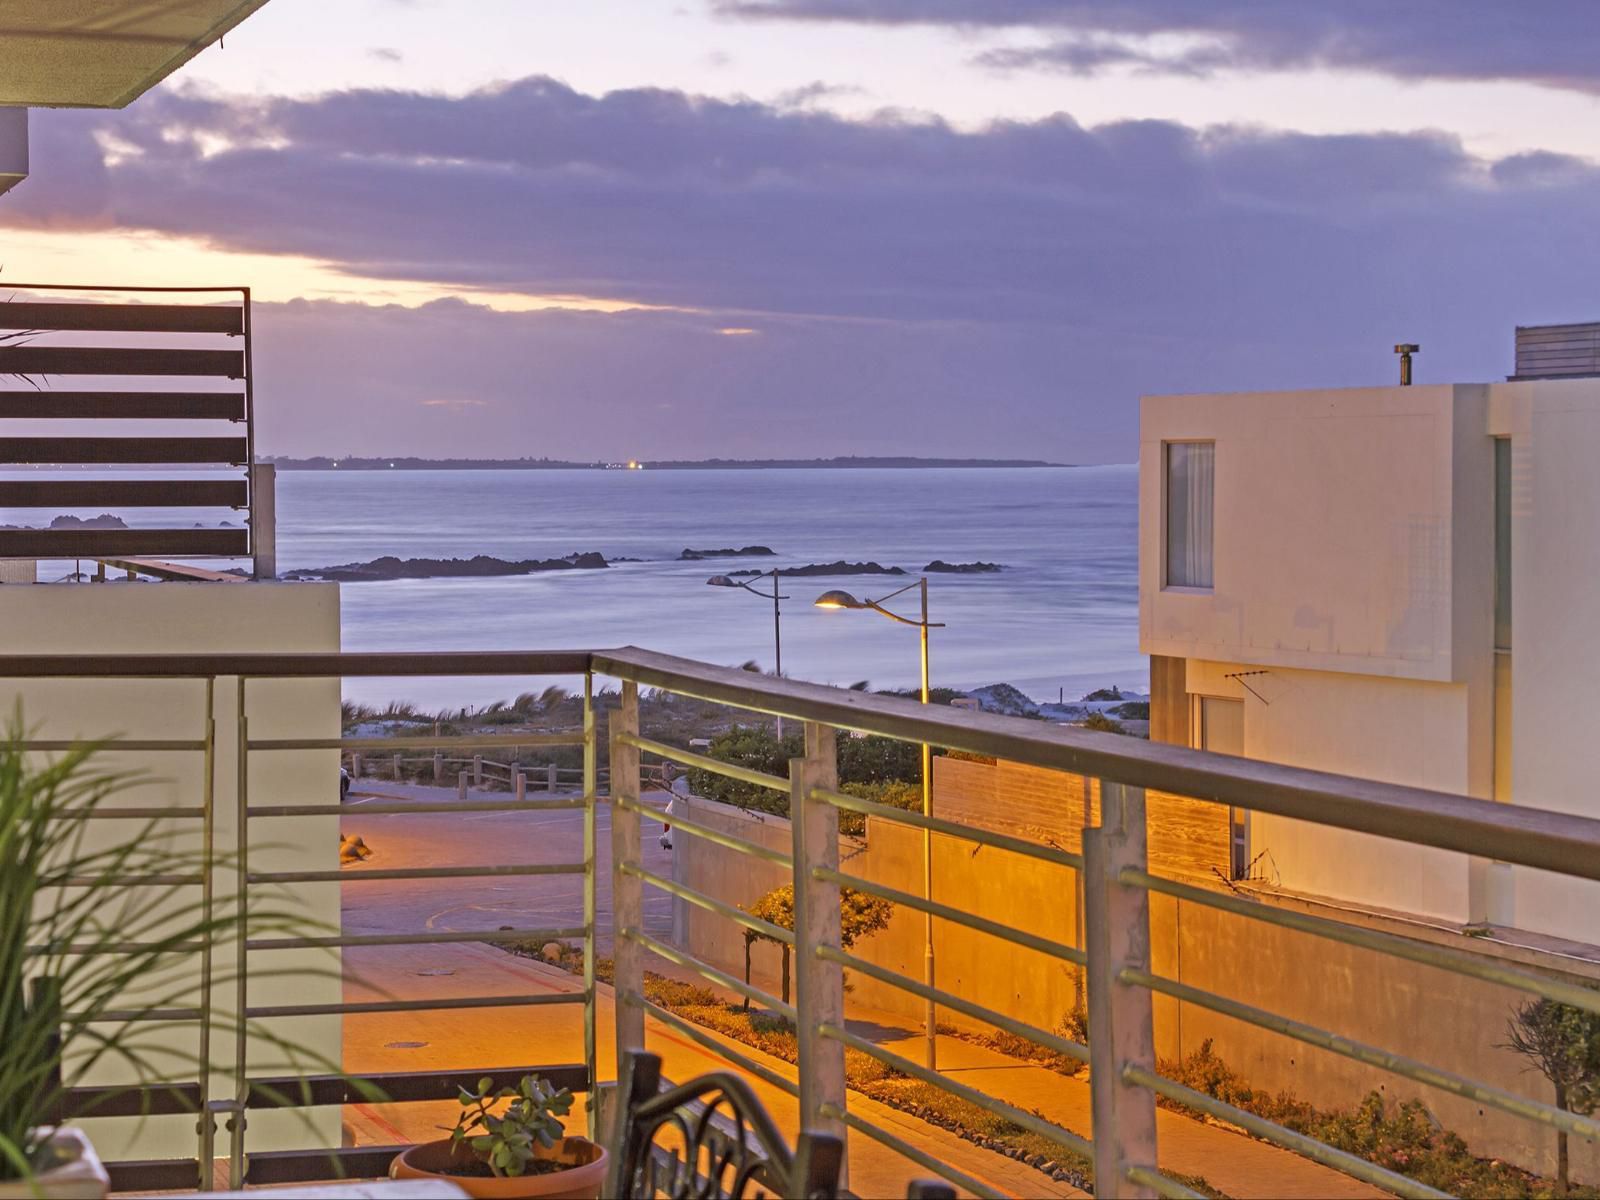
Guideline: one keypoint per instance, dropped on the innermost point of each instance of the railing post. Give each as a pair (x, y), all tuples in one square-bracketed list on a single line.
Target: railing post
[(264, 519), (397, 767), (591, 759), (521, 784), (356, 765), (819, 985), (461, 785), (477, 770), (1117, 936), (438, 766), (552, 781), (627, 899)]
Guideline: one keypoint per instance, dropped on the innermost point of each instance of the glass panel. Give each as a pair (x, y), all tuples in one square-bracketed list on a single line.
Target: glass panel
[(1190, 475)]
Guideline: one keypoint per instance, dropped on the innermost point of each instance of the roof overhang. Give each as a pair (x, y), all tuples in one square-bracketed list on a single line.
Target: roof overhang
[(103, 53), (13, 147)]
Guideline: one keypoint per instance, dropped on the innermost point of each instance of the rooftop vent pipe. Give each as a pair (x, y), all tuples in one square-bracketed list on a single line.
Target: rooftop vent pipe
[(1405, 350)]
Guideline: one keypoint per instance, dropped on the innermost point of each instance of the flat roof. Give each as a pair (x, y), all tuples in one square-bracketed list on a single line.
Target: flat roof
[(103, 53)]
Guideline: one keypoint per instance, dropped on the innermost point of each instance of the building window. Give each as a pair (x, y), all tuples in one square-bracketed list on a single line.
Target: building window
[(1190, 498)]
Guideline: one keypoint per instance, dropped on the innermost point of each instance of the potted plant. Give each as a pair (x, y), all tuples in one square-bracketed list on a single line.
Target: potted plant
[(521, 1150), (68, 960)]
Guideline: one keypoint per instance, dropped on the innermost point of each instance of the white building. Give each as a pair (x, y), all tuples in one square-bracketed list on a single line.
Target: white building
[(1396, 583)]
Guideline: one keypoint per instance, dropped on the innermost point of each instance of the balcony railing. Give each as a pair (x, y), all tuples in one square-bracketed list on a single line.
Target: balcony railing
[(1115, 954)]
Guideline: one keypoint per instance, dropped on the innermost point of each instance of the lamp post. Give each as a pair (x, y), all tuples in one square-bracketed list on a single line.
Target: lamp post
[(777, 625), (842, 599)]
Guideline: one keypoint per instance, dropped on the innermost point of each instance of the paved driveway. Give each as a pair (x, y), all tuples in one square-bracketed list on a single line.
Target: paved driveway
[(496, 839)]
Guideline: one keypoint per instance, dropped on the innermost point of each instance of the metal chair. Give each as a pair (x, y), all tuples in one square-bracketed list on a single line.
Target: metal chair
[(718, 1143)]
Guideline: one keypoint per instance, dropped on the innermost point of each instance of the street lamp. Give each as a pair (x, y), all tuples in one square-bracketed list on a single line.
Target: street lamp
[(777, 627), (842, 599)]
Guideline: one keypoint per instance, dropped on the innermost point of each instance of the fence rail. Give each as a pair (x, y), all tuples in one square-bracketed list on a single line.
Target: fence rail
[(1113, 870)]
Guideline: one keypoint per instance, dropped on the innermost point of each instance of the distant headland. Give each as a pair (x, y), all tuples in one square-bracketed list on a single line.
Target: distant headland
[(323, 463)]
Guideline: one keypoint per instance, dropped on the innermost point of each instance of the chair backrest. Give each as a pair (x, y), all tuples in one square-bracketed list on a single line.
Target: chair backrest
[(710, 1137)]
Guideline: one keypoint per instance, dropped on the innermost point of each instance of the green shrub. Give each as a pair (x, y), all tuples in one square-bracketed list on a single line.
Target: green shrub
[(892, 793), (1100, 723), (874, 759), (867, 760)]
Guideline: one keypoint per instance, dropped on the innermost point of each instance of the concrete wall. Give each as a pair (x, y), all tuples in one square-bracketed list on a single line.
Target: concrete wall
[(1397, 730), (132, 618), (1334, 518), (1419, 1011), (1555, 436)]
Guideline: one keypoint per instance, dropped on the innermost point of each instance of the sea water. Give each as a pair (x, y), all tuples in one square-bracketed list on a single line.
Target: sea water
[(1061, 618)]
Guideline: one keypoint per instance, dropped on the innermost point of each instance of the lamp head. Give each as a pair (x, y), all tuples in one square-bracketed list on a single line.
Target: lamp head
[(721, 581), (837, 599)]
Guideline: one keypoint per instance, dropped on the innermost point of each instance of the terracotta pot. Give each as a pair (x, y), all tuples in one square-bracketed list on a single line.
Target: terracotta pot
[(77, 1174), (582, 1180)]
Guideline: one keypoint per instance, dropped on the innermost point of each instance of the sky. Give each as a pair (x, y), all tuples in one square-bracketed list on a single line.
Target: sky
[(785, 228)]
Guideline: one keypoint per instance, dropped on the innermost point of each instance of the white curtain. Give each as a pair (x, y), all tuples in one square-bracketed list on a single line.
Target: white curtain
[(1190, 486)]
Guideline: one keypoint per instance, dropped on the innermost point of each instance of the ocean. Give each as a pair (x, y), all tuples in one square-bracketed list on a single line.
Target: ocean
[(1060, 619)]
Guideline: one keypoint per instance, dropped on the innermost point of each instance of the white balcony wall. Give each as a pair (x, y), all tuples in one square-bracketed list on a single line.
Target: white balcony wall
[(195, 618)]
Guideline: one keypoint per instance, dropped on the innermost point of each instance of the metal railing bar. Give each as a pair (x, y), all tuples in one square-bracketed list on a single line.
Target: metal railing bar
[(420, 742), (1161, 1184), (999, 1108), (110, 744), (414, 873), (1031, 1033), (116, 948), (319, 665), (193, 812), (1426, 953), (1339, 1160), (710, 973), (119, 1016), (443, 806), (906, 1150), (695, 1034), (694, 829), (1397, 1064), (737, 915), (1004, 932), (1559, 842), (705, 762), (419, 938), (439, 1003), (120, 880), (984, 837)]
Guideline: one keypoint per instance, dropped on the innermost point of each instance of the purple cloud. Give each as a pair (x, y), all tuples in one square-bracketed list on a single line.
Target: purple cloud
[(1012, 288), (1555, 43)]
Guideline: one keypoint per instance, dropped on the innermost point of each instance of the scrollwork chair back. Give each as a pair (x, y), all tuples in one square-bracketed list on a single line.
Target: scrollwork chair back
[(710, 1139)]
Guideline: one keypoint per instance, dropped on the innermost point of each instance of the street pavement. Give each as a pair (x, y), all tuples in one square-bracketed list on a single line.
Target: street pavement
[(478, 839), (527, 1035)]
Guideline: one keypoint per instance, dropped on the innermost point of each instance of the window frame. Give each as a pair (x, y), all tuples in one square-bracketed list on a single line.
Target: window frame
[(1184, 589)]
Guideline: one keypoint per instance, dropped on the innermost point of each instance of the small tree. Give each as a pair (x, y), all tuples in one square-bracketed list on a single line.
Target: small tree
[(1563, 1042), (860, 915)]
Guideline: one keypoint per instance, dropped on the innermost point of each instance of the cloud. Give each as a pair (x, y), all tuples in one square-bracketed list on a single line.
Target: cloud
[(386, 54), (1555, 43), (1012, 288)]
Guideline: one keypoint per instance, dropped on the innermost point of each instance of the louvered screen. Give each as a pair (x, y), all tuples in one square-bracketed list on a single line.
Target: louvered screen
[(79, 376)]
